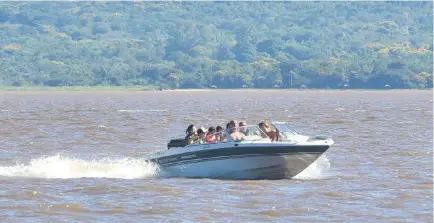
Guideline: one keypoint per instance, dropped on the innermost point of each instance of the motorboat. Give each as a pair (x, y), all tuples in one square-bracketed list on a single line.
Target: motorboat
[(255, 156)]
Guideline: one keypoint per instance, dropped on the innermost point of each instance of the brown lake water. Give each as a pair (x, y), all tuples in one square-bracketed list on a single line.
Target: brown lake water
[(80, 157)]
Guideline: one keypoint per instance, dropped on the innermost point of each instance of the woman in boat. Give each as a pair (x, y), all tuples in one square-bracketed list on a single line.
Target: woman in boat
[(265, 127), (190, 132)]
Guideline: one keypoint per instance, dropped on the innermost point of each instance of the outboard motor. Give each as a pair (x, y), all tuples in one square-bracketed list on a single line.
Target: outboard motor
[(176, 143)]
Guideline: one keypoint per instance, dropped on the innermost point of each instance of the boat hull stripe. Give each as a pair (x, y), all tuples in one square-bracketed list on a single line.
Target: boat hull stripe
[(230, 157), (236, 152)]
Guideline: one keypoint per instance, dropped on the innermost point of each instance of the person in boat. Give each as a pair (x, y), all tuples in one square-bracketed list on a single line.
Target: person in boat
[(243, 128), (227, 125), (265, 127), (228, 130), (234, 133), (202, 134), (269, 128), (219, 135), (199, 137), (190, 132), (234, 122), (211, 136), (224, 132)]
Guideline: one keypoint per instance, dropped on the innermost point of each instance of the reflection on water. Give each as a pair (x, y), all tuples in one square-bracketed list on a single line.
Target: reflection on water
[(81, 156)]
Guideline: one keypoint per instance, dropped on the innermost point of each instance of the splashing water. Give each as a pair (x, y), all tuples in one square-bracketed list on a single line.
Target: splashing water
[(316, 170), (65, 167)]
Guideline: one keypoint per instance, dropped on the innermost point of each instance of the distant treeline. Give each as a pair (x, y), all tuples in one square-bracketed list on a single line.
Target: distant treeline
[(221, 44)]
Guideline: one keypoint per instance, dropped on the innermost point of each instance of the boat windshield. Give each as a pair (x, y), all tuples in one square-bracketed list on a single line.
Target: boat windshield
[(244, 133), (284, 129), (248, 133)]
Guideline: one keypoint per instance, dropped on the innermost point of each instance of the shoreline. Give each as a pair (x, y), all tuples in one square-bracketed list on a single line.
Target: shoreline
[(77, 88), (153, 89)]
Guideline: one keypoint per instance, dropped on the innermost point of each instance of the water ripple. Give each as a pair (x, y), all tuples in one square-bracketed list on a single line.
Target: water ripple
[(79, 156)]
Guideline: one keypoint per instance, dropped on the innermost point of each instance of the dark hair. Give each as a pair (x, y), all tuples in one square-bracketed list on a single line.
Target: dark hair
[(189, 128), (241, 124), (199, 131), (211, 129), (230, 125), (219, 128)]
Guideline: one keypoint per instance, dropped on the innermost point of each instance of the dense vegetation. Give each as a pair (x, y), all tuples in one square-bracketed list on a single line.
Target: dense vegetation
[(226, 44)]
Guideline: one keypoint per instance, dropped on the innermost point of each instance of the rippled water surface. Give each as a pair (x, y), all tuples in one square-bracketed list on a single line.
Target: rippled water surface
[(80, 156)]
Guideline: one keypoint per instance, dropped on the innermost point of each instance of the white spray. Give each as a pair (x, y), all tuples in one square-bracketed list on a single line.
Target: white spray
[(64, 167), (317, 170)]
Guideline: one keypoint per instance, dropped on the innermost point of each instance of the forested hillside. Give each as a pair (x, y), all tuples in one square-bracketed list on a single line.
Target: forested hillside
[(226, 44)]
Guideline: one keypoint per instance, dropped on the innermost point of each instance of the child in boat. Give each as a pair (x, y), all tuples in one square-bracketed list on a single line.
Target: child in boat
[(211, 136), (219, 135), (197, 138)]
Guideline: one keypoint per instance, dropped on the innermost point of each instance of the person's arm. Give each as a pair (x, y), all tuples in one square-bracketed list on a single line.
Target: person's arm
[(190, 140), (242, 136)]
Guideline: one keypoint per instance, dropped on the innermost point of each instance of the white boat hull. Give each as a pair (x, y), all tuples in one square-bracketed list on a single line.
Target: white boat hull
[(245, 160), (250, 167)]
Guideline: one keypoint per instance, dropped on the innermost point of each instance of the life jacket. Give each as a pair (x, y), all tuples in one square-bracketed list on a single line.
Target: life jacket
[(209, 138)]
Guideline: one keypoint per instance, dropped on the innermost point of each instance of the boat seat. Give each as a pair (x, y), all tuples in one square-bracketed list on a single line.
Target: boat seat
[(174, 143)]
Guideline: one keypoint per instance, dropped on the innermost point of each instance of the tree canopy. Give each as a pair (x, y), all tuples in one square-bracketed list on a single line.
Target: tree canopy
[(222, 44)]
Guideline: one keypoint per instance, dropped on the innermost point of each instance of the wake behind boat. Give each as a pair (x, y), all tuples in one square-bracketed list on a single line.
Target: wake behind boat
[(255, 156)]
